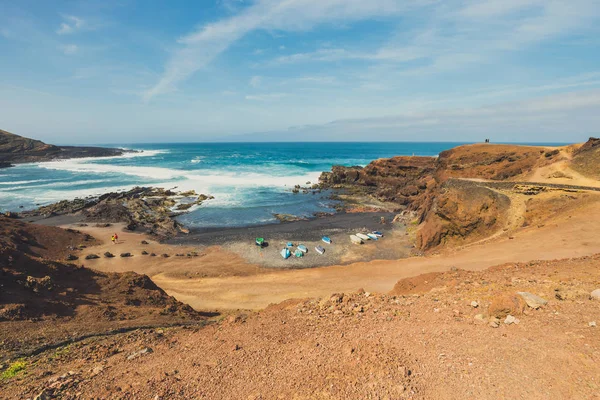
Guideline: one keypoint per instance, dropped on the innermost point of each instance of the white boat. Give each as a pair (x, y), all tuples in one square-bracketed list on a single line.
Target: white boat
[(377, 233), (302, 248), (355, 239), (372, 236), (363, 236), (320, 249), (285, 253), (326, 239)]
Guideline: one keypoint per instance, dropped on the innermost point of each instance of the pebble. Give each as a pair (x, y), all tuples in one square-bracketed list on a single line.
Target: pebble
[(511, 320), (146, 350), (474, 304), (494, 324), (595, 295), (592, 324)]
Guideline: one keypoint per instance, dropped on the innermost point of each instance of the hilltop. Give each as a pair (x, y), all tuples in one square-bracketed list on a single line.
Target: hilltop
[(15, 149)]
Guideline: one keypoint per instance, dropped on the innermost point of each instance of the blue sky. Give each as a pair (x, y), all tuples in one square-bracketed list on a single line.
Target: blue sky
[(115, 71)]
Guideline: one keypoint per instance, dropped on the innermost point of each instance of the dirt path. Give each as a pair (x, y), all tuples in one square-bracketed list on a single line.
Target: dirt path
[(570, 236)]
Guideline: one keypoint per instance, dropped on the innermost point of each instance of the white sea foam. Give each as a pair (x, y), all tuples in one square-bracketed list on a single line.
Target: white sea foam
[(23, 182), (54, 184)]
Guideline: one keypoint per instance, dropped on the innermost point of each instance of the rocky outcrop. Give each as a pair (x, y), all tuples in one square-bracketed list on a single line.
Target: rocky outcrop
[(19, 149), (399, 180), (586, 159), (148, 209)]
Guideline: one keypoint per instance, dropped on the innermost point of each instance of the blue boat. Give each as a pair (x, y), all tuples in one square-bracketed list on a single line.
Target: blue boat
[(373, 236), (377, 233), (303, 248), (326, 239), (290, 244), (285, 253), (298, 253)]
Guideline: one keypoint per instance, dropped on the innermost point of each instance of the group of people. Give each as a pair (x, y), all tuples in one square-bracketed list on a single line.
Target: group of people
[(115, 238)]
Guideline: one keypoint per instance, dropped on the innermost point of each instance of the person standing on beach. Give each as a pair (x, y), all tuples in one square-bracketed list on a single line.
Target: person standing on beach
[(113, 239), (116, 238)]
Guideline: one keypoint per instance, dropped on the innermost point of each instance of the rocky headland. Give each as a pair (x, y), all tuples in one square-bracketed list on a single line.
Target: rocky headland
[(146, 209), (15, 149), (464, 194)]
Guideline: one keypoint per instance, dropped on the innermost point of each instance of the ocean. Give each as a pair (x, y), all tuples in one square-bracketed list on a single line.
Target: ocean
[(250, 181)]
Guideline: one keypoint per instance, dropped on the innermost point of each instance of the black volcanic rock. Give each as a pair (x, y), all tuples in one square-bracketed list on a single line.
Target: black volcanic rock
[(19, 149)]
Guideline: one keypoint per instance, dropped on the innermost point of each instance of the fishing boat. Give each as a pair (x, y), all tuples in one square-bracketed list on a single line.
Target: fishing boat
[(372, 236), (320, 249), (285, 253), (355, 239), (363, 236), (303, 248), (326, 239), (298, 253), (260, 242), (377, 233), (290, 244)]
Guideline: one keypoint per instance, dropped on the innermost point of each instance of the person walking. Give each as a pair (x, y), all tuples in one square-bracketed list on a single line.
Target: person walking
[(116, 238), (113, 239)]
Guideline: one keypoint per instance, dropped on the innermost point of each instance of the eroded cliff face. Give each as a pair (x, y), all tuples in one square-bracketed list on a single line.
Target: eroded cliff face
[(586, 159), (458, 215)]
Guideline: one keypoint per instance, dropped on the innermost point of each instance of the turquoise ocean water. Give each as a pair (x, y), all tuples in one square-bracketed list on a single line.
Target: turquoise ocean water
[(250, 181)]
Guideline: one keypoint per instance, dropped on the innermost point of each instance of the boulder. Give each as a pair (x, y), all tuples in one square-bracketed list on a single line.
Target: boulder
[(126, 255), (91, 256), (595, 295), (504, 305), (72, 257), (532, 300), (108, 254), (144, 253)]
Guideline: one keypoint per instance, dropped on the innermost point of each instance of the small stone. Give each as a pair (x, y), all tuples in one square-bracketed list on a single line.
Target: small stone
[(72, 257), (436, 310), (165, 255), (532, 300), (474, 304), (595, 295), (509, 320), (479, 319), (592, 324), (144, 242), (124, 255), (91, 257), (144, 253), (108, 254), (494, 324), (367, 294), (146, 350)]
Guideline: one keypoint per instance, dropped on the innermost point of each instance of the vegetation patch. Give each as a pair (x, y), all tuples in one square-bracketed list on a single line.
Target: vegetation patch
[(13, 370)]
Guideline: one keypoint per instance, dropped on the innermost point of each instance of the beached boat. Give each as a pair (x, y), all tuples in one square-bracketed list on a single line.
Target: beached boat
[(320, 249), (303, 248), (290, 244), (260, 242), (372, 236), (298, 253), (286, 253), (377, 233), (355, 239), (363, 236), (326, 239)]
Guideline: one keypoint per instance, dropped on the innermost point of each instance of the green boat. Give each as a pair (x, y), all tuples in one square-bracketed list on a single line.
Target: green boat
[(298, 253), (260, 242)]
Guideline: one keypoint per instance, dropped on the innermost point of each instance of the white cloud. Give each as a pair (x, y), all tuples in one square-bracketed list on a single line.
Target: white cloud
[(70, 25), (69, 49), (200, 47)]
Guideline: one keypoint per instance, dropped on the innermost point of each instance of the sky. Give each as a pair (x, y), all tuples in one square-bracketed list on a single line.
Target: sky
[(141, 71)]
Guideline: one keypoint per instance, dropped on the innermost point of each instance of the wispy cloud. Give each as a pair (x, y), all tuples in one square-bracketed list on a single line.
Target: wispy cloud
[(69, 49), (266, 96), (70, 25), (255, 81), (200, 47)]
